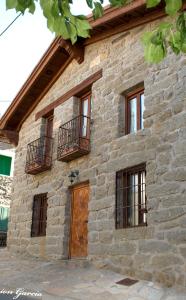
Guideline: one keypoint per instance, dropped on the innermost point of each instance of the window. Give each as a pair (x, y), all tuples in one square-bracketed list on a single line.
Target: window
[(131, 197), (5, 165), (49, 124), (134, 111), (85, 108), (39, 215)]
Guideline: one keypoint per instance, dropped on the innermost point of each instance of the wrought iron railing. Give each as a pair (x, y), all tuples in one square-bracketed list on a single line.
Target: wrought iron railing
[(74, 138), (39, 155)]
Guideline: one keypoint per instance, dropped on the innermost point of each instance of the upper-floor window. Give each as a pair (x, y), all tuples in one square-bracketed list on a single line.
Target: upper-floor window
[(131, 197), (74, 135), (134, 111), (48, 126), (39, 215), (5, 165), (85, 110)]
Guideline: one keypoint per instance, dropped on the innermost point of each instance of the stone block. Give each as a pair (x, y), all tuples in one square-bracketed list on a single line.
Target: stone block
[(183, 251), (93, 236), (167, 278), (165, 261), (123, 248), (166, 215), (106, 236), (153, 246), (177, 236)]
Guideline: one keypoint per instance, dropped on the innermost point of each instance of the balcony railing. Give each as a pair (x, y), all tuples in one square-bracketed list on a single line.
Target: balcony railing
[(74, 139), (39, 155)]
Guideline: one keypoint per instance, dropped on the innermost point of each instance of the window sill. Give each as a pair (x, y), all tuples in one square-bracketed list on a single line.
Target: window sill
[(38, 236)]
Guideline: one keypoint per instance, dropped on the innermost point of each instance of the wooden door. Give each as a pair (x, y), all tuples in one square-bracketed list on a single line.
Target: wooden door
[(79, 221)]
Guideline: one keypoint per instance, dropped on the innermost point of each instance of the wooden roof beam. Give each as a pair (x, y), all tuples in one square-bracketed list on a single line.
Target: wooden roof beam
[(112, 13), (75, 51), (11, 136)]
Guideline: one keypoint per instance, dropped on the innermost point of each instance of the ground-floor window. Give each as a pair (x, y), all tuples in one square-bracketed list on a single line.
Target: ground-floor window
[(131, 207), (39, 215)]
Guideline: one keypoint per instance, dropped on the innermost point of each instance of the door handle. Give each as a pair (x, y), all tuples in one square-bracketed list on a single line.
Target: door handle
[(86, 221)]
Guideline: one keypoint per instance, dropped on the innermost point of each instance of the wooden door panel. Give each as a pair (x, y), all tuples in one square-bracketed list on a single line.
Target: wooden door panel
[(79, 220)]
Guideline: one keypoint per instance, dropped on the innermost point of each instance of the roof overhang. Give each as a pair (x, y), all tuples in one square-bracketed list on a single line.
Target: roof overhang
[(61, 53)]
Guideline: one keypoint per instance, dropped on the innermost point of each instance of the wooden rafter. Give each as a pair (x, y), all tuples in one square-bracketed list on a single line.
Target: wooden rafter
[(11, 136)]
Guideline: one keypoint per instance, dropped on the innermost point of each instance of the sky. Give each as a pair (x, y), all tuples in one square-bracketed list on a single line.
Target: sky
[(22, 46)]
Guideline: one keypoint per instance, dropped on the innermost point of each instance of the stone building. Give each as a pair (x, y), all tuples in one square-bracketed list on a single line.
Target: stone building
[(100, 164), (6, 173)]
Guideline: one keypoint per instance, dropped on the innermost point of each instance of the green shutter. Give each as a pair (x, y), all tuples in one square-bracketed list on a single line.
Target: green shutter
[(4, 212), (5, 165)]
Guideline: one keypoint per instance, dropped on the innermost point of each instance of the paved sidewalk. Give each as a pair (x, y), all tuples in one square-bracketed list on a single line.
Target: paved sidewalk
[(71, 281)]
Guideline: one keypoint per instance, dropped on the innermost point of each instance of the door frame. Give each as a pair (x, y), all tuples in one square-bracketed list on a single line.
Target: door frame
[(71, 188)]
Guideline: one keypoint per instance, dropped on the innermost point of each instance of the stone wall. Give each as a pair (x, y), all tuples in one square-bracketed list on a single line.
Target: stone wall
[(5, 190), (6, 181), (158, 251)]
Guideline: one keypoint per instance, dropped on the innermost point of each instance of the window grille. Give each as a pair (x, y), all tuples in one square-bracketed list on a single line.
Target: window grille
[(39, 215), (131, 209)]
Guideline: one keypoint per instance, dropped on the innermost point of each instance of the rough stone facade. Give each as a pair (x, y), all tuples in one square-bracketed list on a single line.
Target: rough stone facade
[(5, 190), (158, 251), (5, 181)]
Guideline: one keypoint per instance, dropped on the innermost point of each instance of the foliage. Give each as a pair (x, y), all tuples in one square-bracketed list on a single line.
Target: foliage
[(61, 21), (167, 34)]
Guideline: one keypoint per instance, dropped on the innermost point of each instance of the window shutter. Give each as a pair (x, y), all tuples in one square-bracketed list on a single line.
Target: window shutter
[(5, 165)]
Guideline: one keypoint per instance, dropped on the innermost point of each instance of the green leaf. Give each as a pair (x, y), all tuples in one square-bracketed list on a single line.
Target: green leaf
[(20, 8), (81, 17), (154, 53), (181, 22), (98, 10), (118, 3), (175, 41), (173, 6), (55, 10), (152, 3), (50, 24), (90, 3), (11, 4), (32, 8), (146, 39), (154, 45), (60, 28), (46, 7), (72, 31), (83, 28), (183, 46), (156, 38), (165, 27)]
